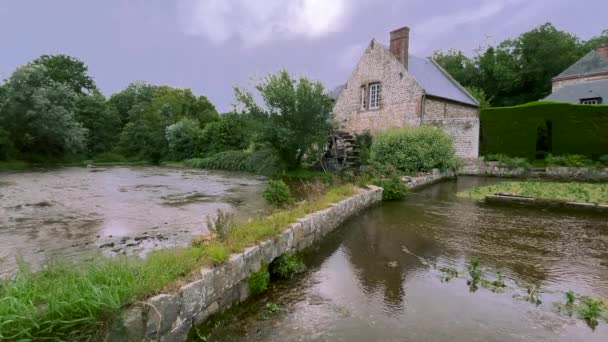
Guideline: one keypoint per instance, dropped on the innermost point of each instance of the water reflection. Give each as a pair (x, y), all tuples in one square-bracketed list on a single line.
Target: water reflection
[(362, 286)]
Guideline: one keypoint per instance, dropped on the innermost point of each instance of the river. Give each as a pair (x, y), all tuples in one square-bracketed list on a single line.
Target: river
[(69, 213), (378, 278)]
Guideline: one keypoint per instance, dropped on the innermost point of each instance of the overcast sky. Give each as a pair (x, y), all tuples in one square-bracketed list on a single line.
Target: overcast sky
[(212, 45)]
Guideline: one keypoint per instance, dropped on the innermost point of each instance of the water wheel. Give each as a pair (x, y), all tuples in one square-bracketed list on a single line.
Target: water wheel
[(341, 152)]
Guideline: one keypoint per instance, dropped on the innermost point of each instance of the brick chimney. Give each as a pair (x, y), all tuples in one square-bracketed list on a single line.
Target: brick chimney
[(400, 44), (602, 50)]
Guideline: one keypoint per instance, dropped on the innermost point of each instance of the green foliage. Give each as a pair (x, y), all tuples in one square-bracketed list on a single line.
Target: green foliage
[(394, 189), (110, 157), (216, 252), (38, 115), (7, 149), (575, 160), (474, 270), (411, 150), (258, 281), (231, 132), (296, 116), (263, 162), (175, 104), (101, 121), (221, 224), (286, 266), (69, 71), (570, 298), (144, 136), (277, 194), (136, 94), (184, 139), (505, 160), (364, 142), (64, 302), (518, 70), (563, 191), (590, 310), (480, 95), (576, 129)]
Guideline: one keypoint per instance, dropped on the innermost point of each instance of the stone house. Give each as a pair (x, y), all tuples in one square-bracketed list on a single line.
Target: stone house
[(584, 82), (391, 88)]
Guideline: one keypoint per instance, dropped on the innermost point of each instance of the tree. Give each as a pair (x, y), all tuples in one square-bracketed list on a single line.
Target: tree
[(144, 136), (69, 71), (101, 121), (177, 103), (38, 114), (135, 94), (184, 139), (298, 115), (458, 65), (231, 132), (480, 96)]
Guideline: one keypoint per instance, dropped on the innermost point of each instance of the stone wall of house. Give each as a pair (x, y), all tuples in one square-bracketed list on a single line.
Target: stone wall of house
[(557, 84), (461, 122), (170, 316), (400, 94)]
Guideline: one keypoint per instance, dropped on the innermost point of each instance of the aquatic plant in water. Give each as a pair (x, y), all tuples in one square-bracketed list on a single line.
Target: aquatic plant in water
[(258, 281), (286, 266), (590, 311), (475, 274)]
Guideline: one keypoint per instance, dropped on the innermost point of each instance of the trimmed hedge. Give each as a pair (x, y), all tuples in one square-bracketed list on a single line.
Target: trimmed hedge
[(576, 129)]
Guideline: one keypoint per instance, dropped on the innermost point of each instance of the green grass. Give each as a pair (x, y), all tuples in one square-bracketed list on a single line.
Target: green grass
[(14, 165), (566, 191), (67, 301)]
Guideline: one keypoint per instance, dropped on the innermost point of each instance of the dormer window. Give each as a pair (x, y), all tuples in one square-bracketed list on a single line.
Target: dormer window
[(592, 101)]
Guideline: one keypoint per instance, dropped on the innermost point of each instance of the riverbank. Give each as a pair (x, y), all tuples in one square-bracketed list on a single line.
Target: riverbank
[(68, 302), (595, 193)]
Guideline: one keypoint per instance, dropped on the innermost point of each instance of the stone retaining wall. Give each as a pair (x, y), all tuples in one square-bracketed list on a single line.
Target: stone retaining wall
[(170, 316), (435, 175)]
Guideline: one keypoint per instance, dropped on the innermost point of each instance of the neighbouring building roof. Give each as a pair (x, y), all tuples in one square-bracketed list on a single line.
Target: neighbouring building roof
[(585, 90), (432, 78), (437, 82), (592, 63)]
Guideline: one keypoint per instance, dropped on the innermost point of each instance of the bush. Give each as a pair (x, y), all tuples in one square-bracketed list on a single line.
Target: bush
[(277, 194), (505, 160), (221, 224), (604, 159), (184, 139), (394, 189), (364, 142), (258, 281), (230, 132), (262, 162), (574, 160), (409, 150), (110, 157), (286, 266), (575, 129)]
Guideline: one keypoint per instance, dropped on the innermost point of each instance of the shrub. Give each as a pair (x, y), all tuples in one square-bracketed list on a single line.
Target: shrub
[(604, 159), (394, 189), (364, 142), (505, 160), (286, 266), (262, 162), (230, 132), (410, 150), (575, 160), (277, 194), (221, 224), (110, 157), (258, 281), (183, 138)]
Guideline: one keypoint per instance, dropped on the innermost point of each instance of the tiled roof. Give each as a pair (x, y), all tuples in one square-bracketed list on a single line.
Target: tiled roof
[(592, 63), (573, 93)]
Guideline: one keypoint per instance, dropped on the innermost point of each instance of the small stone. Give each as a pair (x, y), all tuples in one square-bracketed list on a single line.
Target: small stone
[(109, 244), (392, 264)]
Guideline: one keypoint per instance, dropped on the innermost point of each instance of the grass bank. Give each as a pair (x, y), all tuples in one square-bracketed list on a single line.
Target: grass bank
[(596, 193), (74, 302)]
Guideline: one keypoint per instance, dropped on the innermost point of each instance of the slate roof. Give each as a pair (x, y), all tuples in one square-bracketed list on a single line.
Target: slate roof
[(592, 63), (432, 78), (573, 93)]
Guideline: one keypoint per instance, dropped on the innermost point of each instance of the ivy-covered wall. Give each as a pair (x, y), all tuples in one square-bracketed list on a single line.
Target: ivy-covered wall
[(575, 129)]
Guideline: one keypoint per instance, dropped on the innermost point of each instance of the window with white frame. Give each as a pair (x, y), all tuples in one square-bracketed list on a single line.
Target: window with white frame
[(592, 101), (374, 96), (363, 98)]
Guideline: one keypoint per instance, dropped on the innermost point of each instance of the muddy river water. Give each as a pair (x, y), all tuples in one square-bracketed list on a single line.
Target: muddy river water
[(379, 277), (71, 213)]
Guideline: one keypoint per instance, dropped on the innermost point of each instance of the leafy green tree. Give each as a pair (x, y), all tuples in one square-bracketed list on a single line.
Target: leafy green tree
[(184, 139), (38, 114), (231, 132), (101, 121), (297, 112), (458, 65), (144, 136), (135, 94), (176, 103), (67, 70), (596, 41), (480, 96)]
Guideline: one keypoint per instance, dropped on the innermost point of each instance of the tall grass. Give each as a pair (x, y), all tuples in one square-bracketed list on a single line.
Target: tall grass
[(565, 191), (75, 302)]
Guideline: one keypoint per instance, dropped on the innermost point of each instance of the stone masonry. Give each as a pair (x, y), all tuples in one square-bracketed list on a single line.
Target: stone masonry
[(403, 101)]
